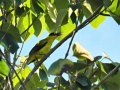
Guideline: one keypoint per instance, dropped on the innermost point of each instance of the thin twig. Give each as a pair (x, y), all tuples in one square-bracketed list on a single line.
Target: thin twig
[(107, 76), (61, 42), (8, 62), (11, 82)]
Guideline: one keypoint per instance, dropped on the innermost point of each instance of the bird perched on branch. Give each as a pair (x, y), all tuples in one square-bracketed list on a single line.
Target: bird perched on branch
[(42, 48)]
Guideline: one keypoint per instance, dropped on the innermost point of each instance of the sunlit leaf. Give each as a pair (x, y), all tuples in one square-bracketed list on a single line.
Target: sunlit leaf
[(4, 68)]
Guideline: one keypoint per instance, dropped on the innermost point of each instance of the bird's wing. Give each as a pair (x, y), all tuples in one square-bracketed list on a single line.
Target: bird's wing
[(37, 47)]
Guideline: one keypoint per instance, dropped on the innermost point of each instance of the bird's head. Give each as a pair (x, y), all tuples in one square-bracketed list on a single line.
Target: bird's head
[(55, 34)]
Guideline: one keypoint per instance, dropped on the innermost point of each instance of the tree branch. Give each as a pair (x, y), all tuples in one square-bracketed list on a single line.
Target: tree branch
[(95, 14), (107, 76)]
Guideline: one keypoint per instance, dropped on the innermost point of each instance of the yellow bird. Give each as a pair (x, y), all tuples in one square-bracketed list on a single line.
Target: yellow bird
[(42, 48)]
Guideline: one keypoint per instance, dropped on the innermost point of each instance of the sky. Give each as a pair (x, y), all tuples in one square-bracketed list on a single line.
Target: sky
[(103, 39)]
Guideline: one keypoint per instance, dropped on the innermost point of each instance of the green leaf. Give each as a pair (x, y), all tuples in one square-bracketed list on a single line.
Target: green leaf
[(49, 24), (99, 21), (113, 7), (108, 67), (19, 11), (58, 4), (116, 15), (36, 25), (89, 6), (100, 65), (83, 82), (25, 72), (50, 10), (63, 82), (42, 74), (35, 80), (8, 42), (4, 68), (61, 15), (112, 82), (9, 28), (77, 66), (107, 3), (36, 6), (97, 58), (23, 25), (66, 29), (60, 66)]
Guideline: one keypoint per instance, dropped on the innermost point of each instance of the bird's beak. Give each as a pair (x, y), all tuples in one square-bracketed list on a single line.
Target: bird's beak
[(59, 34)]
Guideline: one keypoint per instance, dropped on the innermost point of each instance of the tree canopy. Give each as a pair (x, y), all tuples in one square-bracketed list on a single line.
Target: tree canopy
[(21, 19)]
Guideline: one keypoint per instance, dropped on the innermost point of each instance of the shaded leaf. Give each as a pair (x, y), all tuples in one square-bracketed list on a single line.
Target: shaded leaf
[(64, 82), (112, 82), (60, 17), (8, 42), (58, 4), (9, 28), (83, 82), (36, 6), (77, 66), (36, 25), (60, 66), (97, 58), (42, 74)]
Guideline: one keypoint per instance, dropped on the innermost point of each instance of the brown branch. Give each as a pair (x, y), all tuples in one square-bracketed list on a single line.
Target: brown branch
[(107, 76), (96, 13)]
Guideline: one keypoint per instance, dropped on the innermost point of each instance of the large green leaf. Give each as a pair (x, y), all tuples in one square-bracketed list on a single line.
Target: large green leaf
[(36, 25), (4, 68), (83, 82), (77, 67), (112, 82), (49, 24), (51, 10), (8, 41), (58, 4), (23, 25), (36, 6), (66, 29), (60, 17), (89, 6), (9, 28), (60, 66)]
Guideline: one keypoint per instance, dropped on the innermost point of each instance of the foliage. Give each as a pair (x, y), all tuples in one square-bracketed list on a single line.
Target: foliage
[(20, 19)]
